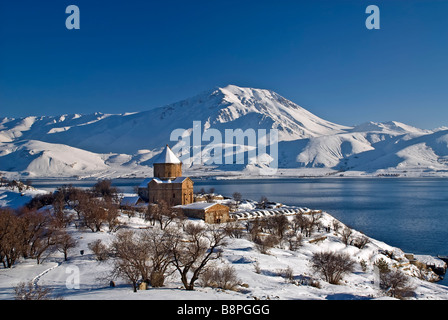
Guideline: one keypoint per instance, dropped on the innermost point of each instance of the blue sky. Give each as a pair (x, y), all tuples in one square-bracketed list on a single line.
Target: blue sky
[(136, 55)]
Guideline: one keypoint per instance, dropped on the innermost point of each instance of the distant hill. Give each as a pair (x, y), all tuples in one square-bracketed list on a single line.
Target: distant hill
[(123, 145)]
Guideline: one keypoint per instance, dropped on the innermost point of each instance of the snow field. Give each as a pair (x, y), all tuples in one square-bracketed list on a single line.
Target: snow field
[(260, 274)]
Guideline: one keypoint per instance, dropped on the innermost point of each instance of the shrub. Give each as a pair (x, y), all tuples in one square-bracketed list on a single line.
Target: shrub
[(332, 265), (100, 250), (363, 264), (382, 265), (264, 244), (361, 242), (224, 278), (347, 236), (287, 274), (28, 291), (396, 284)]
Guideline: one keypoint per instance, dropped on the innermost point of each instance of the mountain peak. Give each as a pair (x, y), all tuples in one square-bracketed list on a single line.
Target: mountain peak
[(389, 127)]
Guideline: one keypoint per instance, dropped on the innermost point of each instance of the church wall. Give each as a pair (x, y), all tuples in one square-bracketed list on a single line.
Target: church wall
[(216, 214), (167, 170), (172, 193)]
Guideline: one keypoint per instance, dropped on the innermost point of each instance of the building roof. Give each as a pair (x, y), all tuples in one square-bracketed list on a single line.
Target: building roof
[(167, 156), (177, 180), (197, 206), (145, 182), (130, 201)]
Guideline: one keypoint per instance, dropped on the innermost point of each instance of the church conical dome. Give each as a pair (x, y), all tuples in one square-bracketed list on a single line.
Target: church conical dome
[(167, 156), (167, 166)]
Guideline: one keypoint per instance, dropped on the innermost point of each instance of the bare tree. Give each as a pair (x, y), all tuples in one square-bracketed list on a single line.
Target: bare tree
[(300, 222), (65, 242), (332, 265), (294, 240), (104, 189), (95, 212), (264, 244), (45, 245), (347, 235), (237, 197), (163, 214), (152, 213), (112, 215), (263, 202), (143, 256), (279, 225), (336, 225), (233, 230), (37, 232), (94, 215), (192, 254), (314, 222), (29, 291), (10, 241), (160, 255), (130, 258), (361, 242), (99, 249), (254, 227)]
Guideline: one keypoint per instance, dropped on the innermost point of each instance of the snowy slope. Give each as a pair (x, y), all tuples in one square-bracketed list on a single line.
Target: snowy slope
[(40, 159), (13, 198), (223, 108), (266, 283), (124, 144)]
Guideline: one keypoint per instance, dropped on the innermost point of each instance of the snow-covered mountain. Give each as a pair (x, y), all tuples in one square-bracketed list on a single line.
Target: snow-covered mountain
[(98, 145)]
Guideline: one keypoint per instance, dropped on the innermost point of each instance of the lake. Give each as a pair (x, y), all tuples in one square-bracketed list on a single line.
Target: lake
[(409, 213)]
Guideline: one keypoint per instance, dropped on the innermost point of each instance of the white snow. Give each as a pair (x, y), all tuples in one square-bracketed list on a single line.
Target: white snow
[(14, 198), (126, 145), (260, 274)]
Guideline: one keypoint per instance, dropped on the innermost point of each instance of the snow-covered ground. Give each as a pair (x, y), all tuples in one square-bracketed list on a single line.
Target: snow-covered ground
[(14, 199), (260, 274)]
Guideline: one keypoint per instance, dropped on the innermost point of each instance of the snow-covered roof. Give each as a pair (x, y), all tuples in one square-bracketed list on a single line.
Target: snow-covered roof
[(197, 206), (167, 156), (145, 182), (130, 201), (177, 180)]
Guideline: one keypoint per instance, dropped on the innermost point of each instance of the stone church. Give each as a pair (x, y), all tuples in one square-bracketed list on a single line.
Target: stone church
[(168, 185)]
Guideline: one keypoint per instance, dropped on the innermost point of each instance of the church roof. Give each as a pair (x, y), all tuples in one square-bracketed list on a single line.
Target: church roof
[(177, 180), (167, 156), (145, 182)]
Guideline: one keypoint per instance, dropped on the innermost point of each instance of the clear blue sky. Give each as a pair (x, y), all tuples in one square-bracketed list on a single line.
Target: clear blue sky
[(136, 55)]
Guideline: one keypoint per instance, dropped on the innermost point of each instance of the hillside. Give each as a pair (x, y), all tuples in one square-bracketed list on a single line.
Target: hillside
[(123, 145), (278, 274)]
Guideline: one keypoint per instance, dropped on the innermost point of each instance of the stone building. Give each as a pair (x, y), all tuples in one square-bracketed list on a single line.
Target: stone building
[(168, 185), (209, 212)]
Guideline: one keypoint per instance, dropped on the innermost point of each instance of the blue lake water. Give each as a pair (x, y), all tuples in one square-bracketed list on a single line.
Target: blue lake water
[(408, 213)]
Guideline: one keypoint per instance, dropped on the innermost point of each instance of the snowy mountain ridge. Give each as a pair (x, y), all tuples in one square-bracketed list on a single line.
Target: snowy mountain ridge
[(122, 145)]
